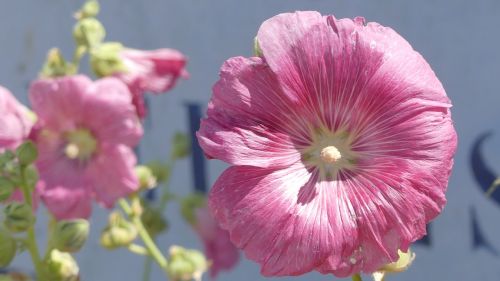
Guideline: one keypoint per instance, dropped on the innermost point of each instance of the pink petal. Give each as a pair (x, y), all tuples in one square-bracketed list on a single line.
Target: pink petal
[(243, 126), (108, 101), (218, 247), (282, 219), (154, 71), (53, 104), (15, 124), (65, 203), (112, 174)]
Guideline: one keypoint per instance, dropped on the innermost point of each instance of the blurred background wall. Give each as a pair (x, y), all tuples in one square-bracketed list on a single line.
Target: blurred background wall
[(459, 38)]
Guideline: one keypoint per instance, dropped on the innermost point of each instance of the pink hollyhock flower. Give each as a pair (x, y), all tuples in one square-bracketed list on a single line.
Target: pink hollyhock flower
[(15, 121), (153, 71), (85, 143), (341, 142), (218, 247), (15, 126)]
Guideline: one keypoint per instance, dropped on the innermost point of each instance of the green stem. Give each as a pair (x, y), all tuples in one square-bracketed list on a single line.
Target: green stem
[(356, 277), (30, 242), (143, 233), (146, 276), (139, 250)]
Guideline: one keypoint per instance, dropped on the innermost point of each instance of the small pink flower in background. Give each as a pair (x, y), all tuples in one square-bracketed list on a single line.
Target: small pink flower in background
[(15, 124), (341, 142), (218, 247), (15, 127), (154, 71), (87, 132)]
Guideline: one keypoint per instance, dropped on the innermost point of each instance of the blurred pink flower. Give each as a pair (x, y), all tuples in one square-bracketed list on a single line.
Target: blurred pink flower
[(341, 142), (153, 71), (218, 247), (15, 121), (15, 127), (87, 131)]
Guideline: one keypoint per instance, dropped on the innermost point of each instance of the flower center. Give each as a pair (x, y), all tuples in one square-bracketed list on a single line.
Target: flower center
[(330, 154), (81, 144)]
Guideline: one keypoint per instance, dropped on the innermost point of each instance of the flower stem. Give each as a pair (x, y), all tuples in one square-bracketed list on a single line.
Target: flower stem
[(143, 233), (146, 276), (139, 250), (30, 242), (356, 277)]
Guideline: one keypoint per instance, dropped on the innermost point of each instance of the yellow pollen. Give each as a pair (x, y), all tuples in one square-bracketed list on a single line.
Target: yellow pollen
[(81, 144), (72, 151), (330, 154)]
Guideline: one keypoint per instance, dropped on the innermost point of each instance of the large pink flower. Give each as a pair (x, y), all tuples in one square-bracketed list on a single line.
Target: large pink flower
[(154, 71), (218, 248), (15, 122), (341, 142), (85, 143)]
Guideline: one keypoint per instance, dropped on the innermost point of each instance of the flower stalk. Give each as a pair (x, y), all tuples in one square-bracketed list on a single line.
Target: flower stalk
[(149, 243), (30, 242)]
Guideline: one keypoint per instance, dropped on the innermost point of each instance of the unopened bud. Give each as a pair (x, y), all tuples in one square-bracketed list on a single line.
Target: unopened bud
[(90, 9), (160, 171), (403, 263), (70, 235), (105, 60), (6, 189), (61, 266), (56, 66), (180, 146), (257, 51), (153, 221), (185, 265), (18, 217), (190, 204), (119, 232), (146, 178), (6, 157), (27, 153), (8, 248), (89, 32)]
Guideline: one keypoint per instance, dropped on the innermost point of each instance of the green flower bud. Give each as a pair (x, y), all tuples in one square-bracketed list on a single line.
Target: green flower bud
[(61, 266), (56, 65), (88, 32), (90, 9), (181, 146), (189, 206), (160, 171), (18, 217), (105, 60), (146, 178), (70, 235), (185, 265), (119, 232), (6, 189), (257, 51), (6, 157), (153, 221), (402, 264), (27, 153), (8, 248)]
